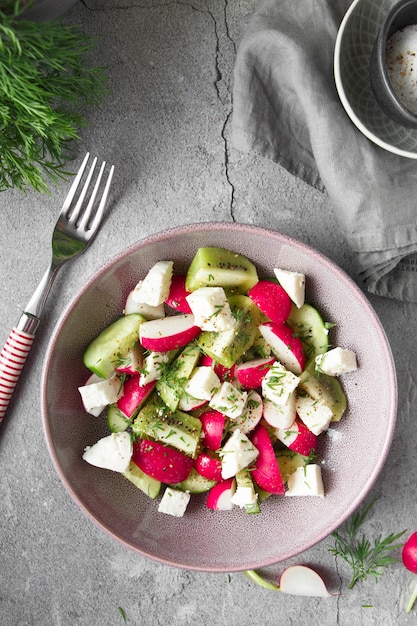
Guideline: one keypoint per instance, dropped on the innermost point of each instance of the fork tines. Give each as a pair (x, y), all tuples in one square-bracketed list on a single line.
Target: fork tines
[(75, 200)]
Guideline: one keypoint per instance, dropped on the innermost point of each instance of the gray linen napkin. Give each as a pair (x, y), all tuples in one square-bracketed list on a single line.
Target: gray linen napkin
[(286, 108)]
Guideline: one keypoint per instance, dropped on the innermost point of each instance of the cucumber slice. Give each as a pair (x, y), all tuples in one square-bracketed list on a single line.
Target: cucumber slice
[(289, 461), (171, 385), (174, 428), (116, 419), (325, 388), (260, 348), (217, 267), (308, 325), (195, 483), (112, 344), (227, 346), (142, 481)]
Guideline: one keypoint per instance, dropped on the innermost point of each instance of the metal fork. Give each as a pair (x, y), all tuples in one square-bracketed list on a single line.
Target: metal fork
[(78, 223)]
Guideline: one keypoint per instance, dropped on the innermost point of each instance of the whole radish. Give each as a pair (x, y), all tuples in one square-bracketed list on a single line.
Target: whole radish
[(409, 557)]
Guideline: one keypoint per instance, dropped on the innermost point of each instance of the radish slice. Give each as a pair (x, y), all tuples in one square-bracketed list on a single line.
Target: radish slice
[(251, 373), (134, 395), (287, 348), (209, 466), (188, 403), (298, 438), (219, 497), (224, 373), (409, 557), (168, 333), (177, 295), (409, 553), (272, 300), (280, 416), (213, 425), (160, 462), (266, 472), (299, 580), (251, 416)]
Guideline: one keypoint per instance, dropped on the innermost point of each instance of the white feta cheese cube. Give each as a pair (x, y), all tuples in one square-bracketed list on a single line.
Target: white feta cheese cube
[(203, 383), (112, 452), (336, 362), (244, 496), (293, 284), (211, 309), (229, 400), (174, 502), (279, 383), (153, 365), (154, 289), (134, 305), (314, 413), (97, 395), (237, 453), (305, 481)]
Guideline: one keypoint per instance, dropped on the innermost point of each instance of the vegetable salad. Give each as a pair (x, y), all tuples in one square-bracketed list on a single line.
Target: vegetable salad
[(217, 382)]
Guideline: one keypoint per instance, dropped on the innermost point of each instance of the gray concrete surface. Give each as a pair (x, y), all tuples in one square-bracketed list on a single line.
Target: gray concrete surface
[(166, 126)]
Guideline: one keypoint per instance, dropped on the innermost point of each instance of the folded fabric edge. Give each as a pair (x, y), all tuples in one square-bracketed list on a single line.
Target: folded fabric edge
[(395, 279), (252, 145)]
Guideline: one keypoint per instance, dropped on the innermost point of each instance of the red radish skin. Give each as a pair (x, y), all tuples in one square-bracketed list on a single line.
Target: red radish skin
[(213, 425), (133, 395), (409, 557), (168, 333), (272, 300), (177, 295), (224, 373), (266, 472), (409, 553), (161, 462), (285, 345), (209, 466), (251, 373), (219, 498), (299, 438)]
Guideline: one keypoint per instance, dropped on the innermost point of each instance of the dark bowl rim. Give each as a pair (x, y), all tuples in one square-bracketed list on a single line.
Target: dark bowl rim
[(394, 107)]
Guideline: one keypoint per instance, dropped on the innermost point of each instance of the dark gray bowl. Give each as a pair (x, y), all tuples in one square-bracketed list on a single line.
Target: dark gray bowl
[(402, 14)]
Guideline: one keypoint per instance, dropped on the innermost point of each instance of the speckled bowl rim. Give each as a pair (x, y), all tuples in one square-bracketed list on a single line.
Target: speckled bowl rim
[(356, 6), (282, 240)]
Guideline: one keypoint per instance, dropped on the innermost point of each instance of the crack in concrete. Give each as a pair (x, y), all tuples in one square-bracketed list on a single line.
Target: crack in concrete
[(224, 98), (226, 101), (339, 595)]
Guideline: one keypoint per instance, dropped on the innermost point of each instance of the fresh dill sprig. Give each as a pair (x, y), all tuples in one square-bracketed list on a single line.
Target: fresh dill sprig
[(45, 82), (366, 558)]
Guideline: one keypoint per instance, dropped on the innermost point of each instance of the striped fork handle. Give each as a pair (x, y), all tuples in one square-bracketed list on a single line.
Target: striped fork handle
[(12, 360)]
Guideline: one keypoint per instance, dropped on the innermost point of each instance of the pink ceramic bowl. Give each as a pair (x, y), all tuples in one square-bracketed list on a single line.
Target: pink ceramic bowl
[(204, 540)]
